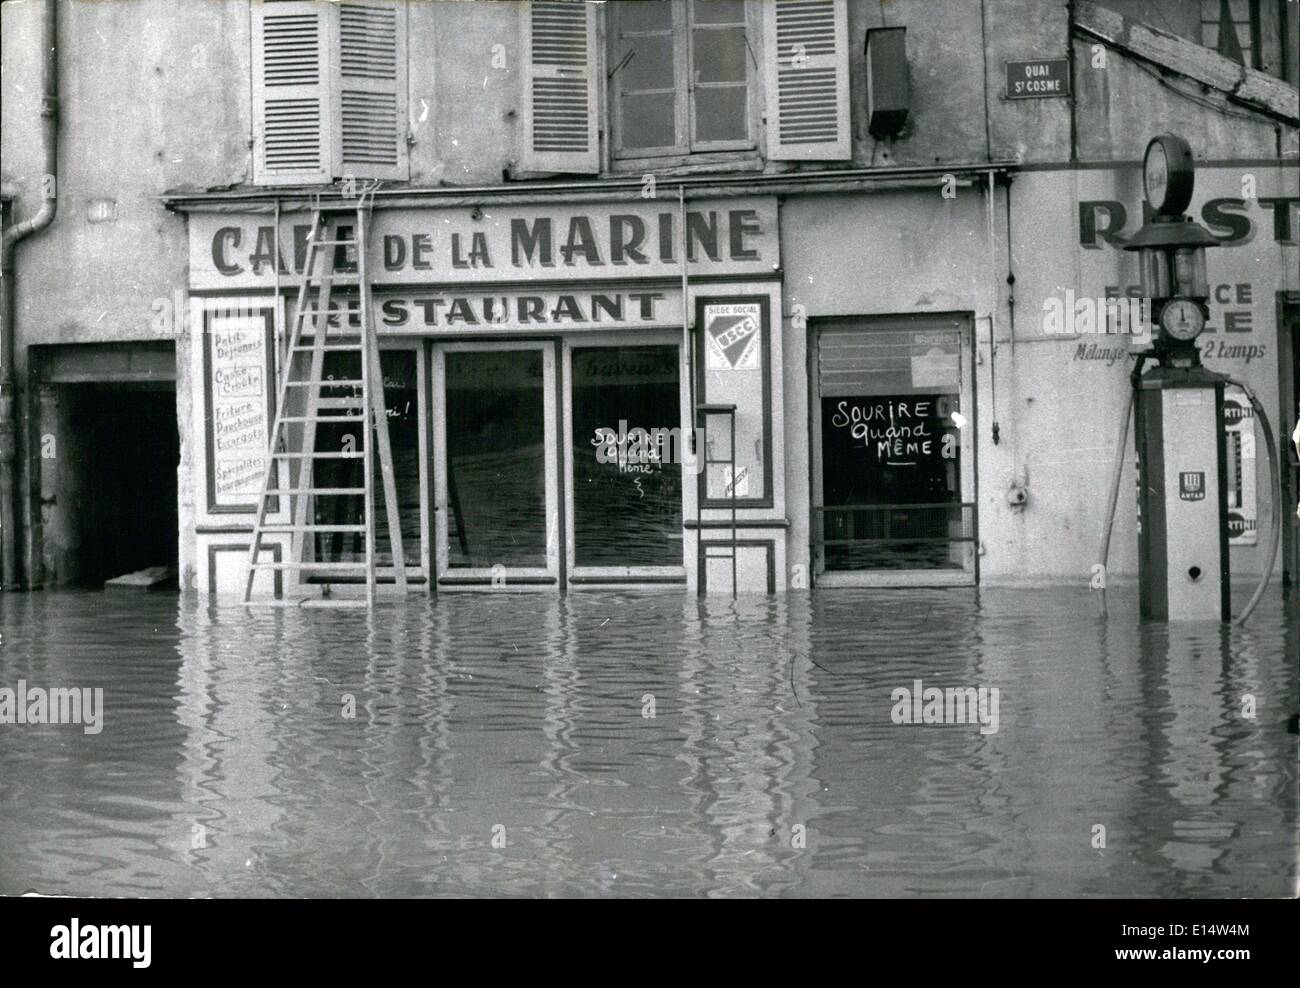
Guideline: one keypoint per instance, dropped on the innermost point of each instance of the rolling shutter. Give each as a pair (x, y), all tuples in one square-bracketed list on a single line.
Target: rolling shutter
[(329, 91), (561, 130), (807, 54), (370, 91), (291, 107)]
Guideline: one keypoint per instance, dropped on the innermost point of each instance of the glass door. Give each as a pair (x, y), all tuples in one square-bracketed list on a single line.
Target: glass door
[(496, 505), (893, 478), (625, 459)]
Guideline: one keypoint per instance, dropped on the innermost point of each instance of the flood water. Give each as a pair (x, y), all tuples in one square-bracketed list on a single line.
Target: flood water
[(652, 744)]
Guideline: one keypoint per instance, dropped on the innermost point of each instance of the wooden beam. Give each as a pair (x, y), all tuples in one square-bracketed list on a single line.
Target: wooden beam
[(1243, 85)]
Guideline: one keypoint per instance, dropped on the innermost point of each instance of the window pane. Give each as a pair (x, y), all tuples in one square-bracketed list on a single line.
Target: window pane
[(720, 114), (627, 448), (402, 403), (720, 11), (496, 463), (644, 15), (720, 55), (650, 65), (645, 77), (648, 121)]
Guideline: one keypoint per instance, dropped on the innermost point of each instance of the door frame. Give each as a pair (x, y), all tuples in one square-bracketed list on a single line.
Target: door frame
[(424, 569), (968, 575), (516, 577), (606, 575)]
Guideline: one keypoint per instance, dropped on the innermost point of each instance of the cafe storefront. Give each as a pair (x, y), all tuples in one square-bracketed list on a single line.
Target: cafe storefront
[(539, 384)]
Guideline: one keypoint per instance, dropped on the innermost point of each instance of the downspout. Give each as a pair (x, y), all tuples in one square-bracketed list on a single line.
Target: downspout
[(9, 445)]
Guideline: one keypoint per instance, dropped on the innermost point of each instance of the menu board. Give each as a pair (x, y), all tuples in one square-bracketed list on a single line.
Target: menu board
[(238, 373)]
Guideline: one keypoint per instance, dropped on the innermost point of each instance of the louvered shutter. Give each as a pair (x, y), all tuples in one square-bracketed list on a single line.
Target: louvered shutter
[(561, 130), (291, 107), (807, 54), (369, 94)]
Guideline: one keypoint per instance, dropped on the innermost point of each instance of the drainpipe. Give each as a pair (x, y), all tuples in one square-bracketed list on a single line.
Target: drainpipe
[(9, 444)]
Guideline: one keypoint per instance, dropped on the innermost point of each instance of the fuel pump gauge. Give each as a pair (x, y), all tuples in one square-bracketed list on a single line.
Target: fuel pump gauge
[(1182, 319)]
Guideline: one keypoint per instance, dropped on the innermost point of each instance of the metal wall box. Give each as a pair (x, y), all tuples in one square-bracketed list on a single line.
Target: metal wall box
[(889, 92)]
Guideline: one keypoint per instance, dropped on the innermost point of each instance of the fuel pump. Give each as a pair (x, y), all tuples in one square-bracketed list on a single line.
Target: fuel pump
[(1178, 413)]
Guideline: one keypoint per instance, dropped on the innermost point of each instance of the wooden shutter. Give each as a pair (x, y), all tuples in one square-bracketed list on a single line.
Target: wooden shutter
[(291, 107), (329, 91), (806, 48), (369, 95), (561, 129)]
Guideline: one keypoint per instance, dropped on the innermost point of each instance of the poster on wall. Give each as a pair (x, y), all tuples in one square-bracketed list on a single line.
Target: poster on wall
[(237, 355), (732, 335), (1239, 429)]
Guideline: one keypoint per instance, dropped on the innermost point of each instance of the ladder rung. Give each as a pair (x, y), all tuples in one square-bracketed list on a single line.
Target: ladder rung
[(336, 243), (326, 455), (322, 418), (333, 277), (336, 383), (318, 491), (340, 402), (328, 349), (282, 527)]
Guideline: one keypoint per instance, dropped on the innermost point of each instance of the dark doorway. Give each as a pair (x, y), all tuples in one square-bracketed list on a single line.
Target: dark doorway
[(118, 452)]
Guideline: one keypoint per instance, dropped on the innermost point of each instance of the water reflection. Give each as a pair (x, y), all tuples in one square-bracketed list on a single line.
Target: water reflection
[(650, 744)]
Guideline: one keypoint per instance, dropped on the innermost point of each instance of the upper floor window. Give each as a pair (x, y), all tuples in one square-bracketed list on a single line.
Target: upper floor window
[(683, 77), (329, 91), (680, 77)]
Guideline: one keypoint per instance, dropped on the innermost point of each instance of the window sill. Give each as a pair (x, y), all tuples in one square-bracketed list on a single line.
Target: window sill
[(693, 164)]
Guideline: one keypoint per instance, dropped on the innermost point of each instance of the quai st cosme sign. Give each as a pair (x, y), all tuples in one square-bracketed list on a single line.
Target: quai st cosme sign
[(1037, 78)]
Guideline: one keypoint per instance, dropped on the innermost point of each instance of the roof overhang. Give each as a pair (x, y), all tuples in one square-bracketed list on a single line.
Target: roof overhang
[(251, 200)]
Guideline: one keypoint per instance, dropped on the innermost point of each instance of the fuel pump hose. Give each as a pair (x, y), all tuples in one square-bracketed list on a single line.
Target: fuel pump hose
[(1103, 556)]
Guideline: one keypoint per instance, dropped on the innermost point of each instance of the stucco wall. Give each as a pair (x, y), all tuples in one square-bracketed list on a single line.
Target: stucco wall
[(146, 104), (874, 254)]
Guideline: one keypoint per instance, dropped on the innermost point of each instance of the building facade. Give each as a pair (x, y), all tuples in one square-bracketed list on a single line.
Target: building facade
[(884, 233)]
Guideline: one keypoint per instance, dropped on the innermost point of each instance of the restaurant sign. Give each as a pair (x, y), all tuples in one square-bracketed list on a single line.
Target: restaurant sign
[(488, 245), (528, 310)]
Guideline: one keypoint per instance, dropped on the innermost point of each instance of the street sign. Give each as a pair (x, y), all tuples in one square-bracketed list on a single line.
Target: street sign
[(1038, 78)]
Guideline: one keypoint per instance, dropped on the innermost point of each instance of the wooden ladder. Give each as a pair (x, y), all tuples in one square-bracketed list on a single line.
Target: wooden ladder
[(302, 407)]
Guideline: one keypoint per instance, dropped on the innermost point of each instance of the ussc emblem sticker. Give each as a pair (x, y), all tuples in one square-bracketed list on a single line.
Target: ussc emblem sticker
[(733, 336)]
